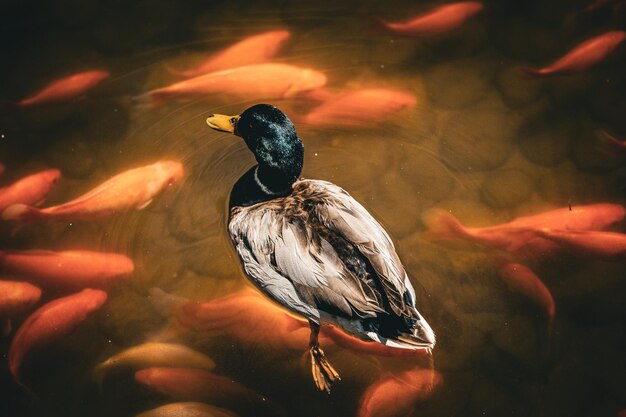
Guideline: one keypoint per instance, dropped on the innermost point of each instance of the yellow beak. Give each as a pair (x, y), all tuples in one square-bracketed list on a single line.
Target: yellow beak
[(222, 122)]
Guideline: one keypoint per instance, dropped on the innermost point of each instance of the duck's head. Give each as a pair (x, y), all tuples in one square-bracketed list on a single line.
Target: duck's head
[(272, 138)]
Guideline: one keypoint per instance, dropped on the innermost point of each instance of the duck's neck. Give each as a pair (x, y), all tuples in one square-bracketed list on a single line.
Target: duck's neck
[(258, 185), (276, 180)]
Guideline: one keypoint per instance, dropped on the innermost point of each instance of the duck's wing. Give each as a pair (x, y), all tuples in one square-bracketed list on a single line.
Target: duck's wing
[(341, 213), (287, 250)]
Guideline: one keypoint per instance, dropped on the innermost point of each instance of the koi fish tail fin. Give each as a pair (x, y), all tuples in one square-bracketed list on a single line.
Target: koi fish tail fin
[(529, 72), (377, 26), (319, 95), (21, 213), (146, 101), (166, 303), (27, 390), (170, 307), (175, 72), (442, 225), (98, 374)]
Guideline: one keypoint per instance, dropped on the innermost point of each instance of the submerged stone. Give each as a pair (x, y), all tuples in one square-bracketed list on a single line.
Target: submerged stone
[(506, 189), (547, 143), (215, 258), (73, 156), (458, 84), (477, 140), (592, 153), (427, 174), (517, 90), (518, 336), (107, 120), (127, 318), (565, 184)]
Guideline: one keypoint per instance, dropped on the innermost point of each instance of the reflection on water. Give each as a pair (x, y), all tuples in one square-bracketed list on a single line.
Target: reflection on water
[(479, 141)]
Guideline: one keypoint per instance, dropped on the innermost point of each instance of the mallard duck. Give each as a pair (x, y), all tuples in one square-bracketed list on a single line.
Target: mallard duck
[(311, 247)]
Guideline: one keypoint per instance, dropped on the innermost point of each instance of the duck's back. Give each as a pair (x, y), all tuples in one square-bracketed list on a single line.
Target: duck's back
[(318, 252)]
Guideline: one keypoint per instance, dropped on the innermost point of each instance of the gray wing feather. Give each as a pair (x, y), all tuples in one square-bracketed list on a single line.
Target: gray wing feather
[(343, 214), (302, 271), (254, 246)]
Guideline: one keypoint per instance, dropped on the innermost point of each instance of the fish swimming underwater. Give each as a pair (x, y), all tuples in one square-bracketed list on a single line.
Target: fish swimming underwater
[(154, 354), (16, 297), (311, 247), (66, 89), (355, 108), (606, 246), (396, 394), (132, 189), (583, 56), (251, 50), (184, 384), (519, 235), (187, 409), (523, 280), (31, 190), (440, 20), (66, 270), (251, 82), (51, 322)]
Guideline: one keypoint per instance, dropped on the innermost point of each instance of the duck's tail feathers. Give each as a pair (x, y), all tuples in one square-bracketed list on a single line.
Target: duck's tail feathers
[(443, 225), (21, 213)]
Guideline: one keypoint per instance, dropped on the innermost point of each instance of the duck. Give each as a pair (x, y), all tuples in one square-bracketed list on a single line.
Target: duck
[(309, 246)]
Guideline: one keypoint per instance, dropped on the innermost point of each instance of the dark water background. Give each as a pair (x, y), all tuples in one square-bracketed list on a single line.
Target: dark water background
[(481, 142)]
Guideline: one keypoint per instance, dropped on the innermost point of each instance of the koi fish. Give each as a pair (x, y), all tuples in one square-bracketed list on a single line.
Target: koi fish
[(247, 317), (615, 142), (607, 246), (154, 354), (250, 318), (355, 344), (583, 56), (17, 297), (440, 20), (250, 82), (397, 394), (360, 108), (181, 384), (252, 50), (66, 89), (51, 322), (519, 235), (31, 190), (132, 189), (67, 269), (521, 279), (188, 409)]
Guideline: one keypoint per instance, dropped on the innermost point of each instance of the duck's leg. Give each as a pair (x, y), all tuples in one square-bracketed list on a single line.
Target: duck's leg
[(324, 374)]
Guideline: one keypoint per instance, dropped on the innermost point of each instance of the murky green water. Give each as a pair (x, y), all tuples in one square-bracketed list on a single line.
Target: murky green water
[(482, 142)]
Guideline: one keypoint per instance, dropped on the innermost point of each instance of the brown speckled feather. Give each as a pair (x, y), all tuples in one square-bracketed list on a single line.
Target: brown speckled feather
[(318, 250)]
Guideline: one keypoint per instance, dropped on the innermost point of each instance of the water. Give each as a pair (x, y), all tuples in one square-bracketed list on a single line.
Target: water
[(482, 142)]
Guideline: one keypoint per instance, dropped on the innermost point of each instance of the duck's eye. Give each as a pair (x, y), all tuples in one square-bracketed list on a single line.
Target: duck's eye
[(233, 120)]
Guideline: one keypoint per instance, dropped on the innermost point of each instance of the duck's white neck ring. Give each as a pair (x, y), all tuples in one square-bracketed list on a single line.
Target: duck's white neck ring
[(261, 185)]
